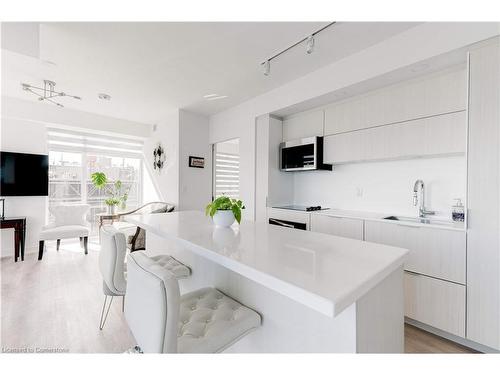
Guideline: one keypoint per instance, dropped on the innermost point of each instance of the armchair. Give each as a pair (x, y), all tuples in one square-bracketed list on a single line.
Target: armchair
[(70, 222), (136, 237)]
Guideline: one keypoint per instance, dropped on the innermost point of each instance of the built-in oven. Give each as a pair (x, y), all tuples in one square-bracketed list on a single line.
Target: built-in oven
[(302, 155), (288, 224)]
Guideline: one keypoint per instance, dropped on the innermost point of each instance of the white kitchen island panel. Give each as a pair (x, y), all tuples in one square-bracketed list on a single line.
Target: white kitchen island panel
[(316, 292)]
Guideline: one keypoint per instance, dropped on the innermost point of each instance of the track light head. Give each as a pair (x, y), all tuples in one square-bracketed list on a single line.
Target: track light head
[(310, 45), (266, 67)]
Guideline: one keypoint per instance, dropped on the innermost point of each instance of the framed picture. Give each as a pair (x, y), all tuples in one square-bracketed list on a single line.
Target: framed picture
[(196, 162)]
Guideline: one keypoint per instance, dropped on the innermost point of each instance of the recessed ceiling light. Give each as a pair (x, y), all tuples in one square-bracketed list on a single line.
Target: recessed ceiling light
[(104, 96), (214, 97)]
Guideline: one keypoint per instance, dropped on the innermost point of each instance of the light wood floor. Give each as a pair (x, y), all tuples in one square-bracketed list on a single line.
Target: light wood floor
[(56, 304)]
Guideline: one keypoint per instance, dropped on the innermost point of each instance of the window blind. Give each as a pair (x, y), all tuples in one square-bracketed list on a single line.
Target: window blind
[(79, 141), (227, 174)]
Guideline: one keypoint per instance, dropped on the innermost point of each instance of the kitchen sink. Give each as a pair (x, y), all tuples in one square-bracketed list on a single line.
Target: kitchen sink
[(419, 220)]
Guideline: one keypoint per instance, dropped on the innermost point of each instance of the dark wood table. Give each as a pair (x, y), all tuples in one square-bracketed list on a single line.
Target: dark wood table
[(19, 225)]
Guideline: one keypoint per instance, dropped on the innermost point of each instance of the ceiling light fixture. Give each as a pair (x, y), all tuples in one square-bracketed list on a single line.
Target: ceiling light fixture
[(104, 96), (47, 92), (266, 65), (214, 97), (310, 45)]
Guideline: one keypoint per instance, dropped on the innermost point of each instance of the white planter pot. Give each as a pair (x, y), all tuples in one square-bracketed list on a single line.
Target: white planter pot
[(111, 210), (223, 218)]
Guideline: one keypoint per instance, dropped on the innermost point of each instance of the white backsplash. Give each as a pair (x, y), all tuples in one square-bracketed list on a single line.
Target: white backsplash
[(385, 187)]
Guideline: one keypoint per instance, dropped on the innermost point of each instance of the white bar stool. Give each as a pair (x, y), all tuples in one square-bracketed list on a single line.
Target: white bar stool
[(163, 321), (113, 268)]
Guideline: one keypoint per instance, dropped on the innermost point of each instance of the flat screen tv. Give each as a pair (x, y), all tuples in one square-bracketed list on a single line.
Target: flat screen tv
[(24, 174)]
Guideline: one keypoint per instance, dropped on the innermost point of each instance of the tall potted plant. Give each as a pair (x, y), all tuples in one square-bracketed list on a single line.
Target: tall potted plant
[(224, 210), (117, 195)]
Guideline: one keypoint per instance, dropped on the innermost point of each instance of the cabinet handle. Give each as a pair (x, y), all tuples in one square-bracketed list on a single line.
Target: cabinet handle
[(409, 225)]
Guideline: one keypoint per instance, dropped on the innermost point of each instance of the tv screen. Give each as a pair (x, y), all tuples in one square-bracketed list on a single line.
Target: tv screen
[(24, 174)]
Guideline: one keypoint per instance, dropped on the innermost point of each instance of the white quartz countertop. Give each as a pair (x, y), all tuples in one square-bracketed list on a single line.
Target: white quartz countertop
[(434, 222), (326, 273)]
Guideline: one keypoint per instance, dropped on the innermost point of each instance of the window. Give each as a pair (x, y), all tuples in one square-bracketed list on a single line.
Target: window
[(227, 169), (74, 156)]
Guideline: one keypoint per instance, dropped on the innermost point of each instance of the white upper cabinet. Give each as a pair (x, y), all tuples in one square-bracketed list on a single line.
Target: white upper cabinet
[(438, 135), (303, 125), (436, 94)]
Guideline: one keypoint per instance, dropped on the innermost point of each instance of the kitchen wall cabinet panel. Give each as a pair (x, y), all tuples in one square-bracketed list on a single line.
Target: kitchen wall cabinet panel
[(483, 239), (438, 303), (438, 93), (337, 226), (434, 252), (433, 136), (306, 124)]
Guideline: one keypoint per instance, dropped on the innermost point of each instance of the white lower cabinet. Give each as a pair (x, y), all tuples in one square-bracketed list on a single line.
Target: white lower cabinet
[(338, 226), (438, 303), (434, 252)]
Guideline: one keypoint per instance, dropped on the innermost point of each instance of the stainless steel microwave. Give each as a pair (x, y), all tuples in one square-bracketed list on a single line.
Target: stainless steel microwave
[(304, 154)]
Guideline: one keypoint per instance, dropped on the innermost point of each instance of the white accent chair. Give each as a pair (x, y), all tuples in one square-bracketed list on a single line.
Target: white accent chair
[(113, 268), (163, 321), (69, 222)]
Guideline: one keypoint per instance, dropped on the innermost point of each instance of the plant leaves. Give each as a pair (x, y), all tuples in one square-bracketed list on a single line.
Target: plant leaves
[(237, 213)]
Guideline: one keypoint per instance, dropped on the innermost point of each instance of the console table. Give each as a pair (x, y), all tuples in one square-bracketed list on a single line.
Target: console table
[(19, 225)]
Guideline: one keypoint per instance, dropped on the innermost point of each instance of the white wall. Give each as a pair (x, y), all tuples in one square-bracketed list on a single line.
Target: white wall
[(26, 137), (385, 187), (416, 44), (182, 134), (166, 180), (195, 183)]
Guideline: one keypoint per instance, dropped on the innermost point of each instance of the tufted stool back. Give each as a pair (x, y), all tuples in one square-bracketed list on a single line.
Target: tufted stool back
[(152, 304), (112, 261)]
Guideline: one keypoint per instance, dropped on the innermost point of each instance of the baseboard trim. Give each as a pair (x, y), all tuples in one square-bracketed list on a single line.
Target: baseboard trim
[(459, 340)]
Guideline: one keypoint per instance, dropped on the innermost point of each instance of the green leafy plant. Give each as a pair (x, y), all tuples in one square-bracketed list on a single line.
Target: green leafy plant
[(117, 194), (224, 203)]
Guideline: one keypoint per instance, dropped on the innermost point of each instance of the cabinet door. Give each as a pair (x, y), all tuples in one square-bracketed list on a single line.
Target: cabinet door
[(436, 94), (303, 125), (434, 252), (289, 215), (438, 135), (338, 226), (438, 303), (483, 240)]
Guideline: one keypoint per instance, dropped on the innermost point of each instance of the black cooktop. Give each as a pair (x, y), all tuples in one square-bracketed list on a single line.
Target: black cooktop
[(302, 208)]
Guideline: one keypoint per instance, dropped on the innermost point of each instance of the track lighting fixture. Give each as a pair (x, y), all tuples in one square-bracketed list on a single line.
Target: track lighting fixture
[(266, 65), (310, 45)]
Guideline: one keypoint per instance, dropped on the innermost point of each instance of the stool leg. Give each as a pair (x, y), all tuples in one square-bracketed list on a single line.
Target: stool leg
[(40, 250), (58, 244), (81, 241), (85, 244), (104, 317)]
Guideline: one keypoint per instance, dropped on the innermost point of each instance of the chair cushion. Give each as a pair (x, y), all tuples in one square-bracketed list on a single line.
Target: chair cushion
[(180, 270), (210, 321), (70, 214), (65, 231)]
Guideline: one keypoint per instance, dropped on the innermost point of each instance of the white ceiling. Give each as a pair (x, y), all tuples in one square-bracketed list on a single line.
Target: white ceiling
[(150, 69)]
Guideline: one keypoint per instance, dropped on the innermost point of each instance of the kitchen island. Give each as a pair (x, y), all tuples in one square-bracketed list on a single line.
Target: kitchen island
[(315, 292)]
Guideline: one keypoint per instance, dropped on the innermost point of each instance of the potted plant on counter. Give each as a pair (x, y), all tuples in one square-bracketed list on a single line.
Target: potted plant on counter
[(224, 210), (117, 195)]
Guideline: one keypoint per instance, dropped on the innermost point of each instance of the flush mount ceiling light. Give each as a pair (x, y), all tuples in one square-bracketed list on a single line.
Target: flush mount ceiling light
[(47, 92), (104, 96), (266, 65), (211, 97)]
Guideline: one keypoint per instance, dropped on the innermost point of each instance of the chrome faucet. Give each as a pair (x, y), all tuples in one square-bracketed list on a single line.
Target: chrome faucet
[(422, 212)]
